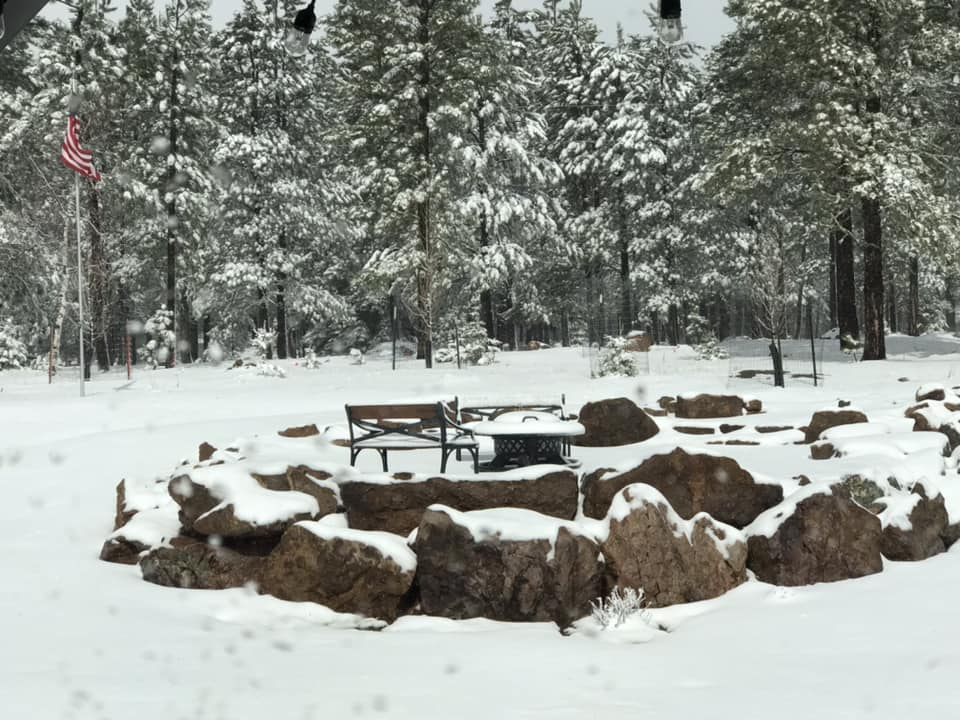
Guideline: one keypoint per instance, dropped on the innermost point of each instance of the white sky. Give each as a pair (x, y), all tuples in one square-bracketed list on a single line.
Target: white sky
[(704, 20)]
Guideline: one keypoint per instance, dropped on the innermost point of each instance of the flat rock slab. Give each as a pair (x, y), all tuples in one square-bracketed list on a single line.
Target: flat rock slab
[(397, 506), (506, 564), (709, 406), (691, 484), (199, 566)]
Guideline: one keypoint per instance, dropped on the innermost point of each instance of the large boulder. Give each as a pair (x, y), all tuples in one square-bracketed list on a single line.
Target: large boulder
[(506, 564), (199, 566), (397, 505), (826, 419), (226, 500), (651, 548), (144, 530), (367, 573), (691, 484), (818, 534), (709, 406), (638, 342), (914, 525), (612, 422)]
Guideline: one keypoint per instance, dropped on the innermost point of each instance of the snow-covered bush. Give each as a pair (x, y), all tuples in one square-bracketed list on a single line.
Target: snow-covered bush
[(357, 357), (475, 347), (312, 362), (618, 607), (710, 349), (270, 370), (13, 353), (160, 345), (263, 342), (615, 359)]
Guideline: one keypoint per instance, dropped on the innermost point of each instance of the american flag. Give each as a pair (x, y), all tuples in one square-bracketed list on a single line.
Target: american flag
[(74, 156)]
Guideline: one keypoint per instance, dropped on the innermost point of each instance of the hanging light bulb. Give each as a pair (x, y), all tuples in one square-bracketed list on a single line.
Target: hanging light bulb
[(671, 28), (298, 35)]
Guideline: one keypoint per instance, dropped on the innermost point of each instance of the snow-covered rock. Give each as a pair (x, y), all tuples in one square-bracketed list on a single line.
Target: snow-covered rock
[(706, 557), (506, 564)]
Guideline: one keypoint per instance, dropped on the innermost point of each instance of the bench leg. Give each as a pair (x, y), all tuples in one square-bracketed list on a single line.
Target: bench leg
[(353, 456), (476, 460), (444, 454), (383, 459)]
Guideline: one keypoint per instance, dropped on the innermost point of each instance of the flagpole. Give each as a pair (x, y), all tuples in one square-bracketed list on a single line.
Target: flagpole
[(76, 186)]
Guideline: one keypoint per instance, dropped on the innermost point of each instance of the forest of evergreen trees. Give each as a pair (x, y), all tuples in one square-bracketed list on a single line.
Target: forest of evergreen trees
[(516, 170)]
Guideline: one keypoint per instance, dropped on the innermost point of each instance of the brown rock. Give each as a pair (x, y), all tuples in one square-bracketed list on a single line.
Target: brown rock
[(691, 484), (206, 451), (772, 428), (693, 430), (825, 537), (300, 431), (950, 535), (803, 480), (709, 406), (205, 513), (224, 523), (823, 451), (122, 515), (655, 412), (826, 419), (303, 479), (398, 506), (514, 580), (617, 421), (753, 406), (668, 403), (346, 575), (645, 532), (639, 343), (843, 403), (122, 551), (199, 566), (924, 538), (728, 428), (936, 393)]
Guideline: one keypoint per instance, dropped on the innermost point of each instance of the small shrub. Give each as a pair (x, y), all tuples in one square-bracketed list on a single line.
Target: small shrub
[(270, 370), (618, 607), (263, 342), (13, 353), (710, 349), (615, 359), (159, 348), (312, 362)]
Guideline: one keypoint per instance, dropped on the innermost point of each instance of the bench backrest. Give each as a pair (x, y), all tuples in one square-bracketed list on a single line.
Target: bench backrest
[(431, 415)]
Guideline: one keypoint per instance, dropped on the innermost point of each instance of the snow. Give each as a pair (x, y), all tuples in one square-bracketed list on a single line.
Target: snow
[(232, 484), (512, 525), (153, 527), (387, 544), (89, 640)]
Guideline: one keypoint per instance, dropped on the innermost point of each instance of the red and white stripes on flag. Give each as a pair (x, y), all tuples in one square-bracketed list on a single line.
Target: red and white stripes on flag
[(74, 156)]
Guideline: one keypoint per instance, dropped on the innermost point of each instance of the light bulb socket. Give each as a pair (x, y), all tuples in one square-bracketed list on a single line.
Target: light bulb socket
[(306, 19)]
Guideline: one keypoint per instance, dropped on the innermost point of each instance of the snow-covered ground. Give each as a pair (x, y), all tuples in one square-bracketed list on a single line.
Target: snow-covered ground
[(82, 638)]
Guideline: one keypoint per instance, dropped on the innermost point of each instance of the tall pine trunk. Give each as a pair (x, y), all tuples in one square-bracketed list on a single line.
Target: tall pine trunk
[(913, 305), (874, 346), (626, 299), (846, 278), (425, 273), (833, 278), (57, 334)]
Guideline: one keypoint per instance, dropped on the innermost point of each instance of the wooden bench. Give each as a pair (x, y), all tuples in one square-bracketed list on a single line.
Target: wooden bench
[(426, 426)]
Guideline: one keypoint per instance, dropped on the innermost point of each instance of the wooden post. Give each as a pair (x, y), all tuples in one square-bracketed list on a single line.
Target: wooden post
[(813, 347), (129, 368)]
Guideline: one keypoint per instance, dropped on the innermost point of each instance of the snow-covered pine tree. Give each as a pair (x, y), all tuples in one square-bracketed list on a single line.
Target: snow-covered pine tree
[(852, 111), (407, 79)]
